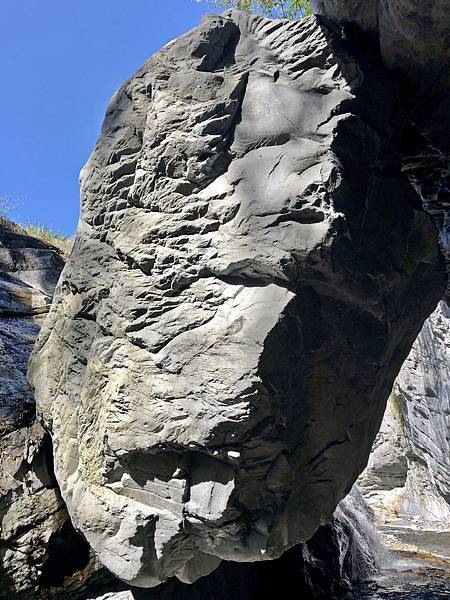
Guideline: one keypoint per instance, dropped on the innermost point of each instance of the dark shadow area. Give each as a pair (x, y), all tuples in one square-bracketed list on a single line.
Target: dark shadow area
[(292, 576), (68, 553), (216, 44)]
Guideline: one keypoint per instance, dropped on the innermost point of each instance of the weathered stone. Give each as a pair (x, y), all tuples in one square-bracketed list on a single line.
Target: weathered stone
[(408, 475), (40, 552), (31, 510), (30, 507), (413, 39), (29, 270), (327, 567), (249, 273)]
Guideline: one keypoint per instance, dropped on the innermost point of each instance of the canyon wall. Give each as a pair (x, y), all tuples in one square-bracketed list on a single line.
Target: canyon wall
[(250, 271), (408, 475), (39, 548), (30, 507), (29, 270)]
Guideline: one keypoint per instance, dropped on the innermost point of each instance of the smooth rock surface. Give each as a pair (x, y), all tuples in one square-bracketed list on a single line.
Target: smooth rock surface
[(408, 474), (249, 273)]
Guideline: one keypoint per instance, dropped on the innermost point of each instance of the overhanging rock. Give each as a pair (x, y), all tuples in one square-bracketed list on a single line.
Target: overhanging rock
[(249, 273)]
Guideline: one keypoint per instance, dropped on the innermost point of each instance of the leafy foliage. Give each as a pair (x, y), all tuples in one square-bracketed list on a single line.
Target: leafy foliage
[(290, 9)]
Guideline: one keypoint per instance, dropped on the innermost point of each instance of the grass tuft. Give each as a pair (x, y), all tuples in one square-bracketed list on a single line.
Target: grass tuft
[(53, 238)]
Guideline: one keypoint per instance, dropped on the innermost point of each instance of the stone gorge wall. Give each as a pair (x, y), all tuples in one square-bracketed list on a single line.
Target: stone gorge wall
[(29, 270), (40, 552), (413, 39), (30, 506), (408, 475), (250, 271)]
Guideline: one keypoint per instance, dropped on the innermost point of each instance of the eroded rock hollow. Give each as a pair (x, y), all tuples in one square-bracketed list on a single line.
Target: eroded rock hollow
[(250, 271)]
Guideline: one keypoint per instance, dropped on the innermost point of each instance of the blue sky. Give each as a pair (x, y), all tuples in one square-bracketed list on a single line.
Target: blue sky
[(61, 61)]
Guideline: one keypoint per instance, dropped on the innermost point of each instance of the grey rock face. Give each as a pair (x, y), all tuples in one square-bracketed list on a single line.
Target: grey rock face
[(41, 555), (325, 568), (31, 511), (39, 549), (29, 270), (408, 474), (342, 553), (30, 506), (29, 261), (249, 273), (413, 39)]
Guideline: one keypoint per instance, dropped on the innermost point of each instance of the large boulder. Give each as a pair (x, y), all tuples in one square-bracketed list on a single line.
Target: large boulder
[(250, 270), (328, 567)]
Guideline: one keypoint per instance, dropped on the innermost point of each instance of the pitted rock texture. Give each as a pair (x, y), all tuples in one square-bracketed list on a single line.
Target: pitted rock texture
[(408, 475), (249, 273)]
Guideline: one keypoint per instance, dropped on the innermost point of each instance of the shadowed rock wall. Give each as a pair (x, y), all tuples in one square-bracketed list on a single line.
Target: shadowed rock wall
[(29, 270), (412, 38), (30, 507)]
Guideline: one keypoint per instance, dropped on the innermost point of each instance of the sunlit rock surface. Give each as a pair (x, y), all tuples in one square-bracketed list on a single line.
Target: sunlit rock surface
[(40, 552), (408, 475), (325, 568), (249, 273)]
